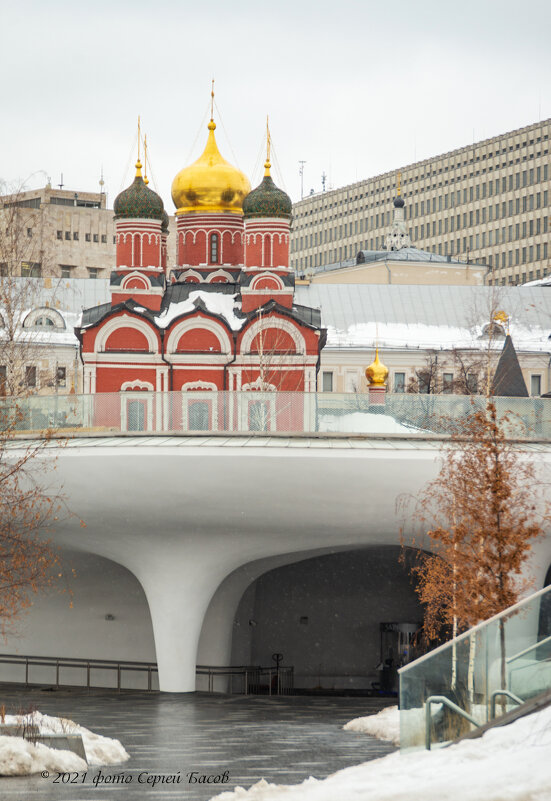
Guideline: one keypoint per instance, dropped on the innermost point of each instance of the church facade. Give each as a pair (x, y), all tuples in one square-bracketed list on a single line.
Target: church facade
[(223, 318)]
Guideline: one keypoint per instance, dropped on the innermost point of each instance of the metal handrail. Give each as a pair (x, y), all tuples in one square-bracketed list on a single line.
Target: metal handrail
[(527, 650), (247, 671), (441, 699), (87, 664), (495, 694), (253, 673)]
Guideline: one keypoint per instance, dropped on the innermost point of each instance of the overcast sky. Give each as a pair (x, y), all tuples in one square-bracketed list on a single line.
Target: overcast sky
[(353, 87)]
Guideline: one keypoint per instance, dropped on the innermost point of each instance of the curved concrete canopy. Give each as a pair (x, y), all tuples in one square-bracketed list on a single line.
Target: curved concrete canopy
[(183, 513)]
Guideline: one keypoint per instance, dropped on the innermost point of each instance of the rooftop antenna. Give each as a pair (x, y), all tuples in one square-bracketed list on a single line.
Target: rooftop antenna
[(301, 173), (61, 184), (323, 180), (101, 181), (212, 101)]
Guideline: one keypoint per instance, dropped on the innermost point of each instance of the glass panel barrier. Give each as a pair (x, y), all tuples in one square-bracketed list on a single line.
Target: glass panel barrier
[(486, 672), (401, 414)]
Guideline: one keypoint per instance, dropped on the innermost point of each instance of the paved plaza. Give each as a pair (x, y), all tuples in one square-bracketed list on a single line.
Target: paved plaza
[(284, 740)]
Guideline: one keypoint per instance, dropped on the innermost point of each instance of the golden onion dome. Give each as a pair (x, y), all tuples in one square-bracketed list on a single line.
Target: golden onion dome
[(211, 184), (376, 373)]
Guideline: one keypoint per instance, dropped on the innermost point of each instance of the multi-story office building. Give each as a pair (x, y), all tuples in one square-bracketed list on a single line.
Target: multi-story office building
[(56, 232), (485, 203), (61, 233)]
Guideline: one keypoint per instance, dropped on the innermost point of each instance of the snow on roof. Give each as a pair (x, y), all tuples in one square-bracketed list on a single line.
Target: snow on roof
[(218, 303), (436, 317), (545, 281)]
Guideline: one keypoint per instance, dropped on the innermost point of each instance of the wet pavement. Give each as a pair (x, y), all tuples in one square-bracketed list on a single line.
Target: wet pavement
[(283, 740)]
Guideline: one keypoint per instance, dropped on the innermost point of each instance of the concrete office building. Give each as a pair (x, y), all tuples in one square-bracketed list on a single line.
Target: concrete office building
[(485, 203), (70, 234)]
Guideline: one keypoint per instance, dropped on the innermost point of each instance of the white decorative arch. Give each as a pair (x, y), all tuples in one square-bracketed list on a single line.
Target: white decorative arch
[(56, 318), (125, 322), (220, 274), (193, 391), (258, 385), (137, 385), (264, 324), (272, 276), (192, 273), (194, 322), (138, 275), (206, 385)]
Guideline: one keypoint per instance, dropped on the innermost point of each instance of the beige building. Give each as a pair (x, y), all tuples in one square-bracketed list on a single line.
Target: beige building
[(486, 203), (399, 263), (60, 233), (407, 266)]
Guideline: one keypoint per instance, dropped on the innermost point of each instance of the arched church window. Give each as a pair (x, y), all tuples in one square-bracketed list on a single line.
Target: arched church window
[(214, 248)]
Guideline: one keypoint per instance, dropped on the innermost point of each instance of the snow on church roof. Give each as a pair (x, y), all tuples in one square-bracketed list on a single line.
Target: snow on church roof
[(219, 303), (439, 317)]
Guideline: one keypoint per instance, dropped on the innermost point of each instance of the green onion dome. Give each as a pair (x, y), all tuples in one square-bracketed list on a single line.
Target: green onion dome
[(164, 224), (138, 201), (267, 200)]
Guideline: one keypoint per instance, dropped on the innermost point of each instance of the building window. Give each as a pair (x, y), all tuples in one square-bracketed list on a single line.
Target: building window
[(61, 376), (93, 272), (214, 248), (75, 236), (327, 382), (29, 232), (447, 383), (31, 269), (30, 376), (96, 237), (472, 384), (67, 235), (104, 239), (60, 234), (88, 237), (399, 382), (44, 322), (535, 385), (66, 270)]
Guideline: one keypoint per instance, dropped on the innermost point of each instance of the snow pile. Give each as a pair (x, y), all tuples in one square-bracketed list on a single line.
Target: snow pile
[(19, 757), (99, 750), (510, 763), (363, 423), (216, 302), (385, 725)]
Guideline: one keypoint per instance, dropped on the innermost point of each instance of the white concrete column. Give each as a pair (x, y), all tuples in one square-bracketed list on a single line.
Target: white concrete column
[(179, 584)]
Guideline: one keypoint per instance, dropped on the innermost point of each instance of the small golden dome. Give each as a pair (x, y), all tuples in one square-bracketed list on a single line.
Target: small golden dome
[(211, 184), (376, 373)]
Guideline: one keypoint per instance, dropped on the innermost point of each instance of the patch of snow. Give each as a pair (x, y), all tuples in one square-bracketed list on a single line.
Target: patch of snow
[(216, 302), (421, 335), (99, 750), (385, 725), (19, 757), (510, 763), (139, 309), (363, 423)]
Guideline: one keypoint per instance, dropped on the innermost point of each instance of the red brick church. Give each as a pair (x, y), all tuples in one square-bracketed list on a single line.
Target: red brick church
[(223, 318)]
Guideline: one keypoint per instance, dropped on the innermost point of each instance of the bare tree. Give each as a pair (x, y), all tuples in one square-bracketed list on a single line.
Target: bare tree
[(23, 261)]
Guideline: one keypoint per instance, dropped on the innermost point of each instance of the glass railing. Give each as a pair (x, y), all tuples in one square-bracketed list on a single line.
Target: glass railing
[(267, 412), (480, 675)]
